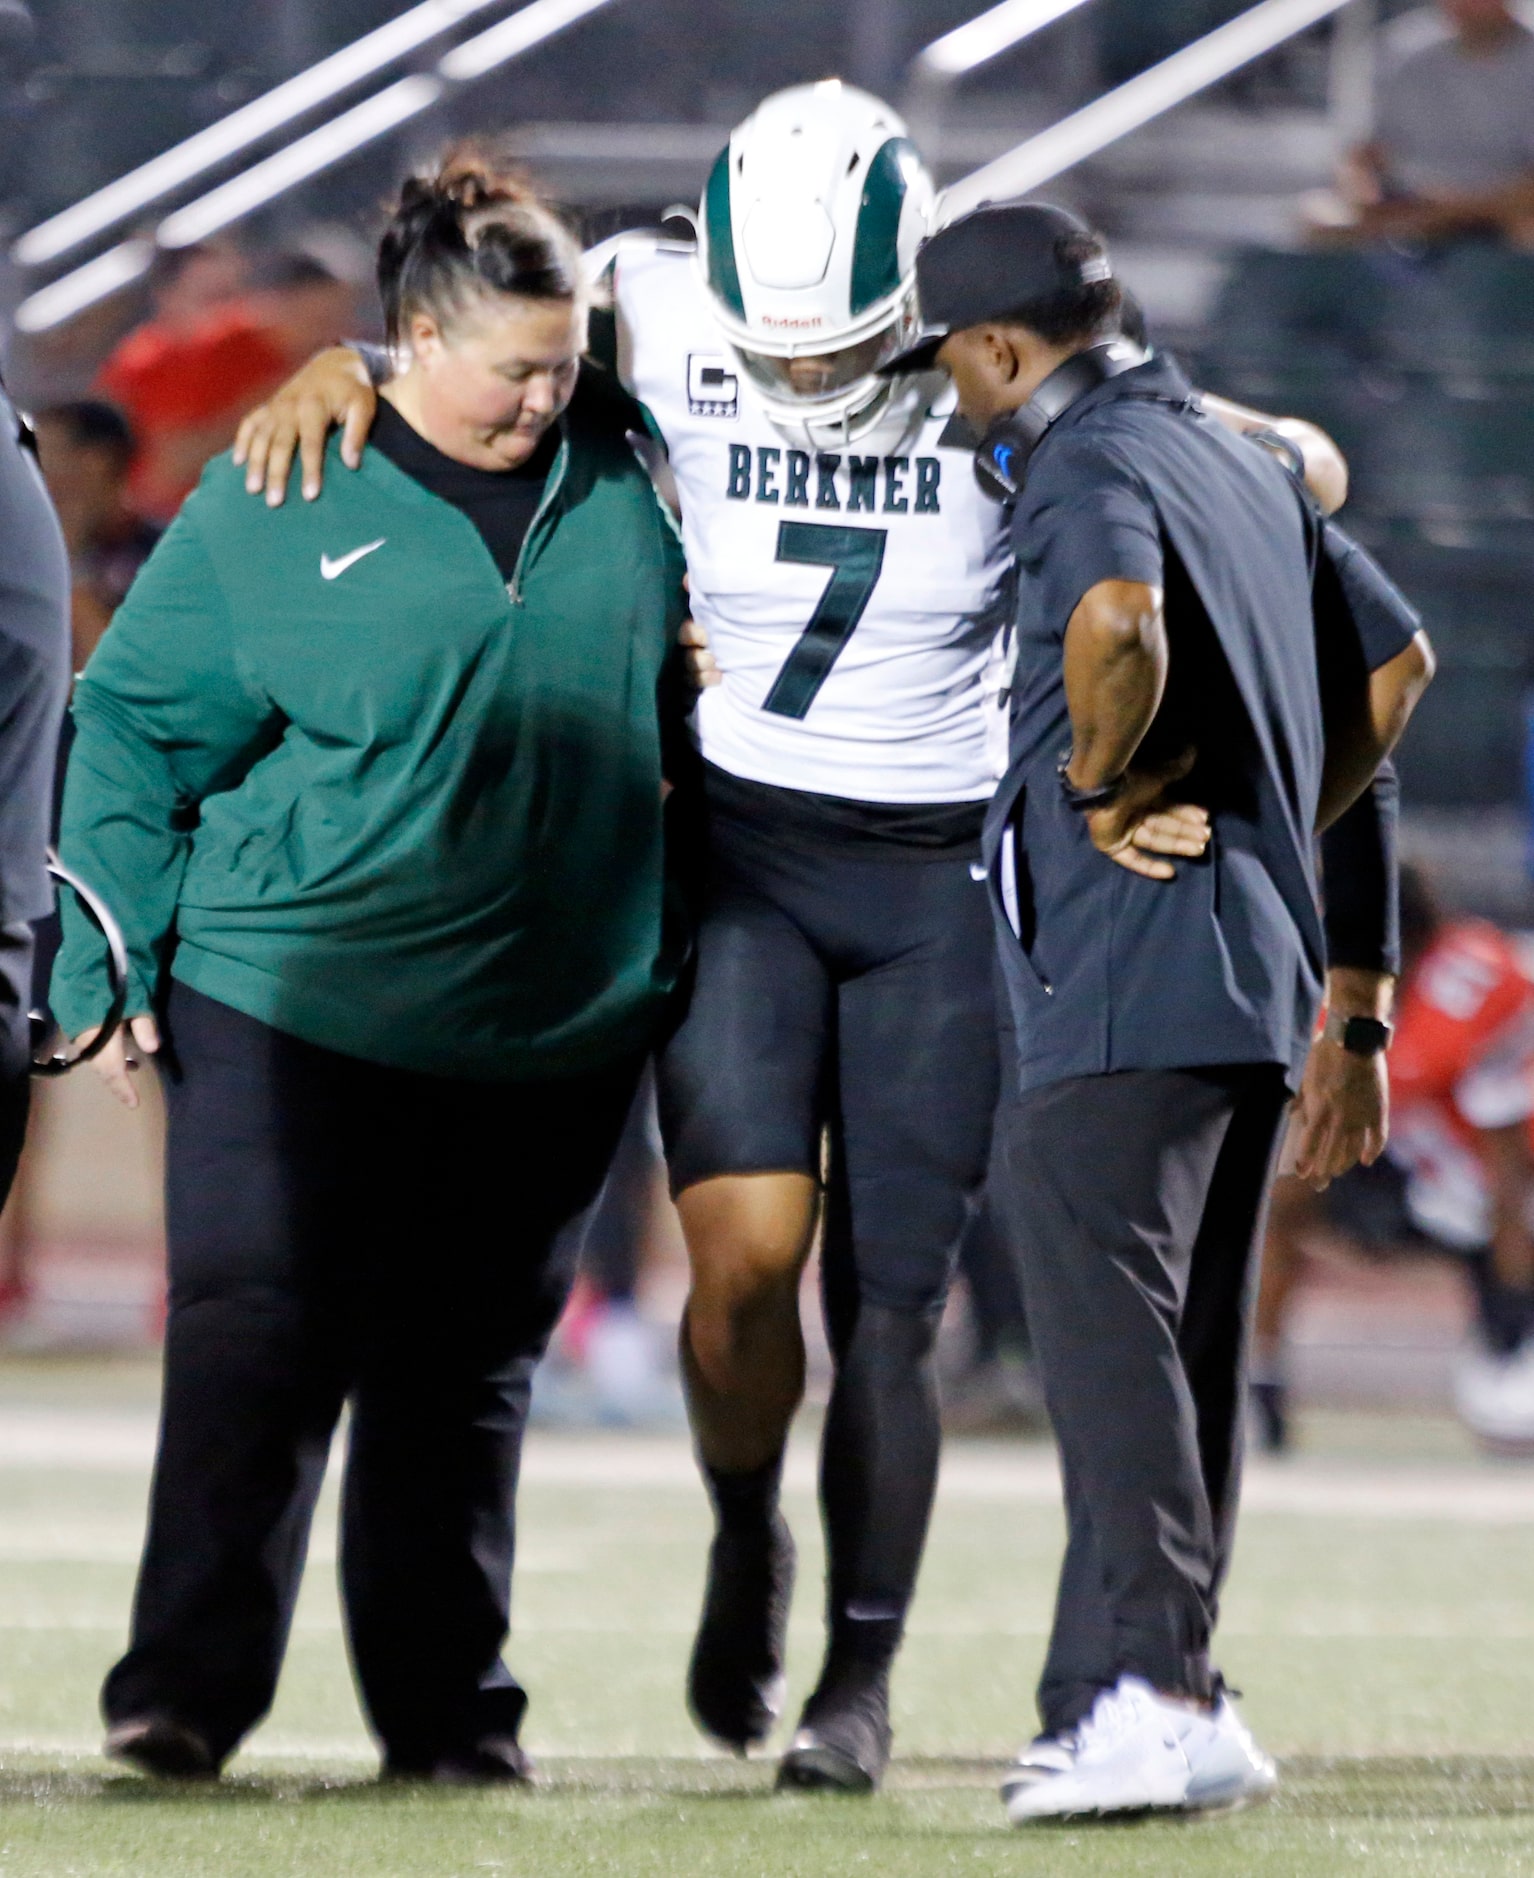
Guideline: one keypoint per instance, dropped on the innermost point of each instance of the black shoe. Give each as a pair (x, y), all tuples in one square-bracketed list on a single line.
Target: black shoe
[(843, 1741), (160, 1745), (735, 1681), (1270, 1416), (496, 1761)]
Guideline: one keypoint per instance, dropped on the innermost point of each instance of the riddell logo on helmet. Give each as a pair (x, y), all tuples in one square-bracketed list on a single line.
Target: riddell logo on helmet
[(798, 321)]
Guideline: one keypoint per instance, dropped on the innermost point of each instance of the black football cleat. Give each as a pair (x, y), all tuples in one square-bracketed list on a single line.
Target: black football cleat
[(843, 1740), (159, 1745), (735, 1681)]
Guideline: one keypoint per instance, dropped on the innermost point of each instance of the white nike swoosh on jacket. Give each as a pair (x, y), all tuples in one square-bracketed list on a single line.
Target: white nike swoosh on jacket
[(333, 569)]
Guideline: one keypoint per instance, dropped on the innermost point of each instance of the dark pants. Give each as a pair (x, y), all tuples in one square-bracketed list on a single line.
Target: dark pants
[(15, 1047), (341, 1231), (1139, 1201)]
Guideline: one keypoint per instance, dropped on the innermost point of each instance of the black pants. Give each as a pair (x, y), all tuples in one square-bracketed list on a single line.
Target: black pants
[(845, 988), (16, 950), (1139, 1200), (341, 1231)]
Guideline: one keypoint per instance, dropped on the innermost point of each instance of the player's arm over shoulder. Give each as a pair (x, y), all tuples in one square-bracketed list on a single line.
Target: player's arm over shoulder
[(637, 276), (1323, 465)]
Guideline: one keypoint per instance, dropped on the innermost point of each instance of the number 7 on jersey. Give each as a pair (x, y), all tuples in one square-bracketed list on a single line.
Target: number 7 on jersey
[(856, 558)]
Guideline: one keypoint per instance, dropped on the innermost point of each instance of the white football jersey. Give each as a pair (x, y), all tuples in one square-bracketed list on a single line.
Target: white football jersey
[(854, 600)]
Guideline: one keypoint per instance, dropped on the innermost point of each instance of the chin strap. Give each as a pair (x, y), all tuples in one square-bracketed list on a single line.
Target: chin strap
[(881, 427)]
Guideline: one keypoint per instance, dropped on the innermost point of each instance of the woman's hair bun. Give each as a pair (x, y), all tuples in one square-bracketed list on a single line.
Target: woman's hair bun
[(472, 179), (474, 223)]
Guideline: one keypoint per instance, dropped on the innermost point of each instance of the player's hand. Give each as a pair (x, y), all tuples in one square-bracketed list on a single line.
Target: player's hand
[(333, 388), (702, 667), (1144, 830), (138, 1038), (1341, 1117)]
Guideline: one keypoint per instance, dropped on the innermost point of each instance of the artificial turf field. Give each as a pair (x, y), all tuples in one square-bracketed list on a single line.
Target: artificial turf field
[(1381, 1621)]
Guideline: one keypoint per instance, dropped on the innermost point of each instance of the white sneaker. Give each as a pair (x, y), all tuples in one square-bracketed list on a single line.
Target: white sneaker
[(1228, 1769), (1495, 1397), (1044, 1756), (1133, 1753)]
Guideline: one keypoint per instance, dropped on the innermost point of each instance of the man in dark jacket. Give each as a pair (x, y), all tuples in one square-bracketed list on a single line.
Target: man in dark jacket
[(1171, 646)]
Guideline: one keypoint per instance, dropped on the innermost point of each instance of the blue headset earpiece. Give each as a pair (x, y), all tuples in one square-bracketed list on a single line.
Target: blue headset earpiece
[(1001, 462)]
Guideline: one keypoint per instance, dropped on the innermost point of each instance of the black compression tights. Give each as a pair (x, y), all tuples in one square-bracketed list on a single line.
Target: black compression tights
[(878, 1474)]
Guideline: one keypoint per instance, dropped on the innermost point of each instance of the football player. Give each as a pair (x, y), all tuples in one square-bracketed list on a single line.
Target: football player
[(849, 583), (1458, 1175)]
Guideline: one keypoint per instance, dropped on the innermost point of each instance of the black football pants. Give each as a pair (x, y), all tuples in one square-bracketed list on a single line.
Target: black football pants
[(339, 1231), (1138, 1200)]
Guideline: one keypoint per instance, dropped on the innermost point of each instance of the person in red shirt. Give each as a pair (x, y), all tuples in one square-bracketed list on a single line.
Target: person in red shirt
[(221, 339), (1457, 1175)]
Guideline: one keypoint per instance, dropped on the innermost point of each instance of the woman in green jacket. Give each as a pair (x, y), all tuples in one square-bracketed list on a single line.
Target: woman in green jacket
[(374, 784)]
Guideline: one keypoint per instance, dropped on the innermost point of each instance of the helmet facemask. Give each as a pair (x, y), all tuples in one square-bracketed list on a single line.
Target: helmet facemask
[(833, 397)]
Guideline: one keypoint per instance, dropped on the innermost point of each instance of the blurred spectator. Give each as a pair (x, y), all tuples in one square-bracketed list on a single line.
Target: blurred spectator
[(610, 1365), (1453, 148), (301, 302), (221, 336), (997, 1390), (87, 451), (1458, 1175)]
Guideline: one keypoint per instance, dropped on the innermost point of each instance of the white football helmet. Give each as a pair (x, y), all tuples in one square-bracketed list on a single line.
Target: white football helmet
[(808, 234)]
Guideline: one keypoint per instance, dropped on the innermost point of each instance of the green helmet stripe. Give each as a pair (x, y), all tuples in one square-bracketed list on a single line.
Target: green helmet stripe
[(723, 274), (876, 247)]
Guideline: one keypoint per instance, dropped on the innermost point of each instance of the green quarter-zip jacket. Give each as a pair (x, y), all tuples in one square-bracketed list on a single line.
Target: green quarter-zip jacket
[(332, 770)]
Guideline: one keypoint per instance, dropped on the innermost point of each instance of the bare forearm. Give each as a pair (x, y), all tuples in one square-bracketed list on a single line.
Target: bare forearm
[(1115, 673), (1356, 749), (1326, 468), (1352, 992), (1395, 690), (1352, 761), (1508, 203)]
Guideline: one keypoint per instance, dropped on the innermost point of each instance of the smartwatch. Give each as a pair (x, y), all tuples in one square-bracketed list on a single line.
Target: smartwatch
[(1360, 1036)]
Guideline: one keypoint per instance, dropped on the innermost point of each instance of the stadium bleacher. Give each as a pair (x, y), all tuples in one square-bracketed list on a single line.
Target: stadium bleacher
[(1422, 367)]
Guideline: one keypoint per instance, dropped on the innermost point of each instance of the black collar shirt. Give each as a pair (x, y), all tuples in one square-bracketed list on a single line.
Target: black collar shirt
[(1107, 970)]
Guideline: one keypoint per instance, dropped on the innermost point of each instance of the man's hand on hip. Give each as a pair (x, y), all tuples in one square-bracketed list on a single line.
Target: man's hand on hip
[(1146, 832)]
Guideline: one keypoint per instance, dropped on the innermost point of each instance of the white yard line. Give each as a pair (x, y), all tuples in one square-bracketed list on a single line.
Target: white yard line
[(1027, 1475), (1021, 1474)]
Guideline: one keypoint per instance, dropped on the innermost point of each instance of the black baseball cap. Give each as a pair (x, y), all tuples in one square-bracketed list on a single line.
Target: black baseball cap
[(999, 257)]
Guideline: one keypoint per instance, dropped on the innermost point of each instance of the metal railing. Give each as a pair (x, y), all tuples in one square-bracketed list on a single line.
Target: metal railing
[(120, 201), (937, 71), (947, 62), (321, 149), (1041, 158)]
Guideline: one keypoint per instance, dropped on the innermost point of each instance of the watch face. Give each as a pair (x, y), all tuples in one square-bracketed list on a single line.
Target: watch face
[(1365, 1036)]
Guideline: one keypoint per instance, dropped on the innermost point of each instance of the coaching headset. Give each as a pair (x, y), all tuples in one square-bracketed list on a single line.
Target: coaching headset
[(1000, 257), (1001, 460)]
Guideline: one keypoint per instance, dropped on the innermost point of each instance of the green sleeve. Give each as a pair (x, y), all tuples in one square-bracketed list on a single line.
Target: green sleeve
[(163, 719)]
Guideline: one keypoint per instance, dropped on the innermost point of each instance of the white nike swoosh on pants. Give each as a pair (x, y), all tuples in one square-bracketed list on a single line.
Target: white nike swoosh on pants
[(333, 569)]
